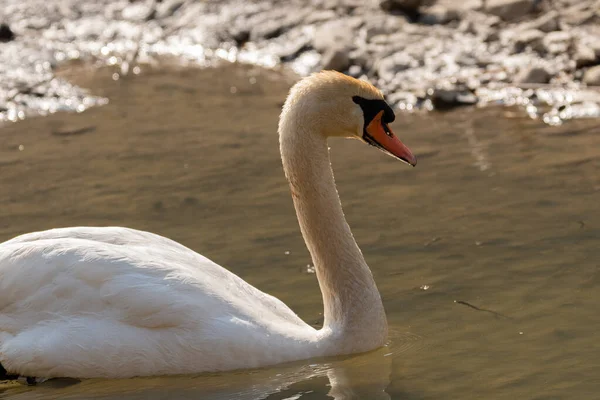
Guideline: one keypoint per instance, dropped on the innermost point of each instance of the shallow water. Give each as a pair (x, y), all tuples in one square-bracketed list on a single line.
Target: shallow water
[(500, 214)]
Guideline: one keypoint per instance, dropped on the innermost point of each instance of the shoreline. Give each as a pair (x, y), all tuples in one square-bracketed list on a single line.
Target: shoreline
[(423, 54)]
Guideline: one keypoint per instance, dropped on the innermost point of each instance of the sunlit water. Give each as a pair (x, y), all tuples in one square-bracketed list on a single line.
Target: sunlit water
[(486, 253)]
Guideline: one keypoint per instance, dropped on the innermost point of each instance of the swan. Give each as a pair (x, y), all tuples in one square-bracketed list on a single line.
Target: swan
[(113, 302)]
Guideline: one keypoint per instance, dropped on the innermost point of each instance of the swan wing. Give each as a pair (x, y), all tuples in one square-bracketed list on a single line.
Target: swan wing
[(118, 302)]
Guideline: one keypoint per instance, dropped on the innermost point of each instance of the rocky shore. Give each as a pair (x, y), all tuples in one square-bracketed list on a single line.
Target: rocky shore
[(543, 55)]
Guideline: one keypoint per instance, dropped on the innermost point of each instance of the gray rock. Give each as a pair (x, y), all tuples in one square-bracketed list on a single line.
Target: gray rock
[(167, 8), (447, 99), (408, 6), (6, 34), (509, 10), (390, 66), (320, 16), (536, 74), (592, 76), (579, 17), (338, 33), (557, 42), (463, 5), (336, 59), (584, 56), (139, 11), (355, 71), (530, 37), (546, 23), (382, 25), (438, 14)]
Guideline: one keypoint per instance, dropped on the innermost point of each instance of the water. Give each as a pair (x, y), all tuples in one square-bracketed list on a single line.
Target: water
[(501, 214)]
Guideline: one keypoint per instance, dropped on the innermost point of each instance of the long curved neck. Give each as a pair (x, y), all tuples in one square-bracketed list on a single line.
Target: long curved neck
[(353, 310)]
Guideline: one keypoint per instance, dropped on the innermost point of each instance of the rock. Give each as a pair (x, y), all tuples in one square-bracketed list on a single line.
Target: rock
[(336, 59), (536, 74), (337, 33), (355, 71), (546, 23), (390, 66), (6, 34), (579, 17), (406, 6), (139, 11), (509, 10), (584, 56), (167, 8), (320, 16), (438, 14), (382, 25), (557, 42), (463, 5), (492, 36), (530, 37), (447, 99), (592, 76)]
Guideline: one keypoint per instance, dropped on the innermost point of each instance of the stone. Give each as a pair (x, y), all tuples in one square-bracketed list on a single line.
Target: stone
[(167, 8), (509, 10), (463, 5), (533, 74), (591, 77), (139, 11), (336, 59), (406, 6), (339, 33), (546, 23), (438, 14), (320, 16), (390, 66), (382, 25), (447, 99), (355, 71), (530, 37), (584, 56), (6, 34), (557, 42)]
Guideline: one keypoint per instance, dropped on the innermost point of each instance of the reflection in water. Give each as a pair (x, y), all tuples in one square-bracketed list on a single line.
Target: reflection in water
[(365, 376)]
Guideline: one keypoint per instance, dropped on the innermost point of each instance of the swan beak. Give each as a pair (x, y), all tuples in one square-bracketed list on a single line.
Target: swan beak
[(379, 134)]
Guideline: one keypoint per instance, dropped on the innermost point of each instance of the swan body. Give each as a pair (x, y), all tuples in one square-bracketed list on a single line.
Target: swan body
[(115, 302)]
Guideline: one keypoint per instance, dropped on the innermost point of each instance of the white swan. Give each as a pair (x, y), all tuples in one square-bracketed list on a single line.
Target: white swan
[(116, 302)]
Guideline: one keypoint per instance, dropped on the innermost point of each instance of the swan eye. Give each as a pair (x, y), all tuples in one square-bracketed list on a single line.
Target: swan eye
[(387, 130)]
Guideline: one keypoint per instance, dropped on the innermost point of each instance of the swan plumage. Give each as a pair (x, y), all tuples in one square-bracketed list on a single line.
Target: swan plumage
[(118, 302)]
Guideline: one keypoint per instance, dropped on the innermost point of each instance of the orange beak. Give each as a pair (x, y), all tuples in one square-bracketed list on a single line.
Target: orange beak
[(379, 134)]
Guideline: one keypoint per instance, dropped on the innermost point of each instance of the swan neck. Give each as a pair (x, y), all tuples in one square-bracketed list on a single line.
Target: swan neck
[(352, 303)]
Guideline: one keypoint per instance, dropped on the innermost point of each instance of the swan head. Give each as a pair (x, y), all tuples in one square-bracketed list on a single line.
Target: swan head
[(337, 105)]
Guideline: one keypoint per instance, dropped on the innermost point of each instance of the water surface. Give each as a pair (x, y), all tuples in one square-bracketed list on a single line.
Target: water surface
[(501, 214)]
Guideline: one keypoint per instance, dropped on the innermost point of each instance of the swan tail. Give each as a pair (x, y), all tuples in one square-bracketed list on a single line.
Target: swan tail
[(7, 376)]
